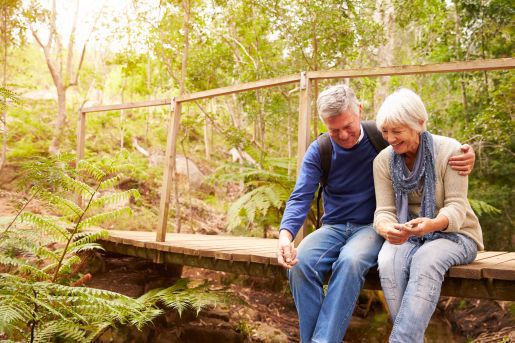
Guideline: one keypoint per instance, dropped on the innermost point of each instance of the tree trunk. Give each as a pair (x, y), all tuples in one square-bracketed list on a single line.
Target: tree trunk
[(385, 16), (459, 57), (60, 122), (289, 135), (182, 86), (63, 79), (207, 141), (3, 157), (315, 84)]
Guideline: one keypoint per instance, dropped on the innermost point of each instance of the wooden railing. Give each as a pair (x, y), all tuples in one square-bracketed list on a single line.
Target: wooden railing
[(304, 79)]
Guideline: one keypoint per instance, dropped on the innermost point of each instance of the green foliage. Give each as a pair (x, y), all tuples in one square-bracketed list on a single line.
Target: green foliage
[(255, 205), (6, 95), (37, 300), (481, 208), (266, 193), (183, 295)]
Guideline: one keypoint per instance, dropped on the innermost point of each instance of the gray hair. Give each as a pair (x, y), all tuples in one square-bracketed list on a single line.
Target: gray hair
[(403, 107), (335, 100)]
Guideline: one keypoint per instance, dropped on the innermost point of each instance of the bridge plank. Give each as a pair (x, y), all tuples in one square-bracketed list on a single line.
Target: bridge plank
[(481, 255), (502, 271), (474, 270)]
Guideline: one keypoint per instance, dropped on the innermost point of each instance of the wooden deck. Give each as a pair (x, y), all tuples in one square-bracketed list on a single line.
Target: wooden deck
[(491, 275)]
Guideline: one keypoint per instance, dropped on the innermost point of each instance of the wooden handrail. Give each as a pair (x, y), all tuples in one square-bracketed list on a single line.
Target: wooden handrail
[(125, 106), (448, 67), (279, 81)]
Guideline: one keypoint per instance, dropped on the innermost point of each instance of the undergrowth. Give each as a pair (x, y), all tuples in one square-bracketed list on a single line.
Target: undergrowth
[(41, 297)]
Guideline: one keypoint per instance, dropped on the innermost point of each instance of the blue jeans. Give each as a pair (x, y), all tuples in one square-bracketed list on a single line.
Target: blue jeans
[(346, 251), (411, 277)]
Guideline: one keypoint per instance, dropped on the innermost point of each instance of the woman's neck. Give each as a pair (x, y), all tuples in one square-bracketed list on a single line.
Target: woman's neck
[(411, 155), (409, 159)]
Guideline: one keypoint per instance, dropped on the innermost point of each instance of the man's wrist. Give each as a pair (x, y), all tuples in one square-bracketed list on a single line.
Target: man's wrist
[(284, 233)]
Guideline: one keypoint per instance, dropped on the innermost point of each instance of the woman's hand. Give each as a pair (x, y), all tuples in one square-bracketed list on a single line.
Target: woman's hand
[(394, 233), (419, 226), (422, 225)]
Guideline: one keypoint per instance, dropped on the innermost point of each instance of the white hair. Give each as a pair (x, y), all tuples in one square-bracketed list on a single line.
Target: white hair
[(402, 107), (335, 100)]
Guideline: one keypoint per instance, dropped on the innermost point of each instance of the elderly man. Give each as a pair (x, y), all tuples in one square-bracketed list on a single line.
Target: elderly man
[(346, 246)]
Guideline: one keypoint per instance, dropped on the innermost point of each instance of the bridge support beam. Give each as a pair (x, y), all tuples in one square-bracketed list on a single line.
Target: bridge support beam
[(166, 188), (303, 134)]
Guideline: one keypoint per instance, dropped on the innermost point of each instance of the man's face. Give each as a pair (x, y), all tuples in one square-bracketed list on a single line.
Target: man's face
[(345, 128)]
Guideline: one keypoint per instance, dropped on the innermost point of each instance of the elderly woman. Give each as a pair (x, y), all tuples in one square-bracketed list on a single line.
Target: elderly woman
[(422, 212)]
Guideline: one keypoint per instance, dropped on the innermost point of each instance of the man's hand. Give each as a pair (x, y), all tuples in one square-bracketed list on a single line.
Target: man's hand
[(286, 252), (463, 163), (393, 233)]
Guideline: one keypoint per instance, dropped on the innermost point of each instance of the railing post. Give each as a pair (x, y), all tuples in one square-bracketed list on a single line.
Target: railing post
[(303, 133), (81, 142), (166, 188)]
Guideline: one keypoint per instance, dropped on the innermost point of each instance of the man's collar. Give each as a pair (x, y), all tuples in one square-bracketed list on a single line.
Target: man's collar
[(362, 134)]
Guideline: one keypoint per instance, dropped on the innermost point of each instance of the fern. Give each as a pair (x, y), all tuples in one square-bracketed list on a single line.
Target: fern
[(99, 219), (7, 94), (69, 209), (36, 304), (256, 203), (115, 199), (482, 207), (46, 225), (267, 190), (182, 297), (111, 182), (91, 169)]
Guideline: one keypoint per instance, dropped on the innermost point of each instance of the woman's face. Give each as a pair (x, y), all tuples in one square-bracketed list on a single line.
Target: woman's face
[(402, 138)]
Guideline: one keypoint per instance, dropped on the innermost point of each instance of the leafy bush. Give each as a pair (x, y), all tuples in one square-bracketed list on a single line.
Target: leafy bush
[(38, 300)]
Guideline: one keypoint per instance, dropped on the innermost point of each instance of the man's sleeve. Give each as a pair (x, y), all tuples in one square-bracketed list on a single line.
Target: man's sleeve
[(299, 203)]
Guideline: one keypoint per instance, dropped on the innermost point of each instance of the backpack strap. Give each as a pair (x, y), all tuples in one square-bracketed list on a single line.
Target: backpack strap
[(325, 148), (376, 138)]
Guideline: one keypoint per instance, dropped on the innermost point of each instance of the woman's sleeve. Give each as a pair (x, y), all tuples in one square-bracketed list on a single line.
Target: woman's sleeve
[(385, 197), (455, 192)]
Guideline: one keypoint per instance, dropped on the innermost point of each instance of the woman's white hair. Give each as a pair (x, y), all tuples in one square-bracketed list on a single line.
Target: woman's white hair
[(402, 107), (335, 100)]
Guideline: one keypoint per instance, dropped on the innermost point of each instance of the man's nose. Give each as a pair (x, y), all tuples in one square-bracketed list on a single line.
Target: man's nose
[(343, 135)]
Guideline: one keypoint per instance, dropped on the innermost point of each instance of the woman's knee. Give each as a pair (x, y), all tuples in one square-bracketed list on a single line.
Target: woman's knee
[(426, 266), (385, 259)]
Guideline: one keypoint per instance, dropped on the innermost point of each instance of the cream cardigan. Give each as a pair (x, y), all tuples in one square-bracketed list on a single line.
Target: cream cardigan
[(451, 192)]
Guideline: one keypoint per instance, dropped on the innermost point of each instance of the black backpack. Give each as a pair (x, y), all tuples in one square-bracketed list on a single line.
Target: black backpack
[(325, 149)]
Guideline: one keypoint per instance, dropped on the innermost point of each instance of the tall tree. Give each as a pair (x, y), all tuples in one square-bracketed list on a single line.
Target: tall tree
[(10, 24), (59, 59)]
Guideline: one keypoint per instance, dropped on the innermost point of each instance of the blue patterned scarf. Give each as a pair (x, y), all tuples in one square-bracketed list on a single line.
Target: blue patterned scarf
[(423, 173)]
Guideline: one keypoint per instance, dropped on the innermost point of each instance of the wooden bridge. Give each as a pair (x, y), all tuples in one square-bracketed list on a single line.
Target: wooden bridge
[(492, 275)]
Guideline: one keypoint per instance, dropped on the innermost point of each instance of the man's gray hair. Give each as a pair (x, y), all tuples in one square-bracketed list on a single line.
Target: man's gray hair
[(335, 100), (403, 107)]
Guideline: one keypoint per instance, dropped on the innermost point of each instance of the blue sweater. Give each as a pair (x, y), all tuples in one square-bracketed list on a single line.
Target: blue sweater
[(349, 195)]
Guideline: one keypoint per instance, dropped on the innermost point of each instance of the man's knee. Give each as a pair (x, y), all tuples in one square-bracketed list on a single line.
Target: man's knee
[(304, 269), (355, 262)]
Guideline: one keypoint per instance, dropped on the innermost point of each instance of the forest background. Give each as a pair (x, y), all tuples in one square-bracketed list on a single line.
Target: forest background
[(60, 55)]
